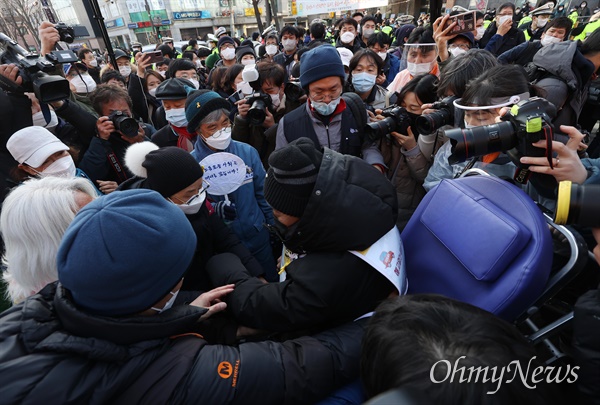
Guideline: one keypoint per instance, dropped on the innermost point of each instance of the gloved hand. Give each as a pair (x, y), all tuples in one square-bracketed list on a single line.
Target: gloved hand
[(226, 210)]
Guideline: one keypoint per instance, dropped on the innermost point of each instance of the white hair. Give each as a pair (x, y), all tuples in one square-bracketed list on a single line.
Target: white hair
[(34, 218)]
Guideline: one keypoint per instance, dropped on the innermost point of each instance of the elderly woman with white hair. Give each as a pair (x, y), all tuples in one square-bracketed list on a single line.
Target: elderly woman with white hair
[(33, 220)]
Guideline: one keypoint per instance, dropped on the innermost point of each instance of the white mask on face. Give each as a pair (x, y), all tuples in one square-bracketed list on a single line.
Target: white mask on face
[(416, 69), (382, 55), (246, 62), (541, 22), (176, 117), (367, 32), (84, 84), (198, 63), (193, 205), (125, 70), (548, 39), (40, 121), (480, 32), (457, 51), (228, 53), (93, 63), (271, 49), (275, 100), (245, 88), (63, 167), (347, 37), (195, 82), (152, 92), (469, 126), (503, 18), (163, 73), (220, 140), (169, 303), (289, 44)]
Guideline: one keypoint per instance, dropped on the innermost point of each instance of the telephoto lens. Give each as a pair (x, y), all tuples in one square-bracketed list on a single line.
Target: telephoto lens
[(578, 204), (479, 141)]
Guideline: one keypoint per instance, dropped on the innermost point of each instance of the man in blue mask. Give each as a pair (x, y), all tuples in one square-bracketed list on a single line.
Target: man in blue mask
[(326, 118)]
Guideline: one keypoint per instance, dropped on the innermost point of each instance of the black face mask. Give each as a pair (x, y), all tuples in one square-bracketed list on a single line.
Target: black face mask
[(285, 233)]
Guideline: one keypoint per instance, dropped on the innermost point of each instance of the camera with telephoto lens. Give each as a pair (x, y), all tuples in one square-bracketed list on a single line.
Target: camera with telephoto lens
[(526, 122), (578, 204), (429, 123), (293, 91), (397, 119), (66, 32), (259, 102), (34, 70), (124, 123)]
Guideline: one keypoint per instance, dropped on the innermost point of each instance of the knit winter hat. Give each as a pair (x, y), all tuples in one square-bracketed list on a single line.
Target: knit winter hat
[(124, 252), (241, 51), (319, 63), (167, 170), (292, 176), (224, 40), (199, 104)]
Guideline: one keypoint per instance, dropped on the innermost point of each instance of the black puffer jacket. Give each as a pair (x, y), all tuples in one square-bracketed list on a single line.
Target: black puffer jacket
[(352, 206), (50, 352)]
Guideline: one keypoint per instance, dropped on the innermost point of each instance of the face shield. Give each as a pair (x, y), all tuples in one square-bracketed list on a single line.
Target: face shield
[(419, 58), (478, 115)]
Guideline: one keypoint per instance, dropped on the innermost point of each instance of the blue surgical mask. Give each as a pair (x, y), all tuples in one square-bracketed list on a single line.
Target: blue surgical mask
[(363, 81), (325, 109), (176, 117)]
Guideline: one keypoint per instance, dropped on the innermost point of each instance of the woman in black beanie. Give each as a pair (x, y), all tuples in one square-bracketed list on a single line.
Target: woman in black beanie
[(176, 175)]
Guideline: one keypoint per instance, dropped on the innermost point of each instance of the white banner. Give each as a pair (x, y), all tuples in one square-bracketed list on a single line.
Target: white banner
[(309, 7)]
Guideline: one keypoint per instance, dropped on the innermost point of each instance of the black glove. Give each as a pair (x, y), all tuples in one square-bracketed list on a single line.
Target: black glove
[(226, 210)]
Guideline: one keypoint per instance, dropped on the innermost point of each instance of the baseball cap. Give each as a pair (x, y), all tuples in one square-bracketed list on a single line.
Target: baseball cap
[(33, 145)]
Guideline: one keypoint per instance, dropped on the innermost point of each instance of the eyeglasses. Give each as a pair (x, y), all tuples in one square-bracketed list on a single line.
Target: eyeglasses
[(461, 46), (319, 96), (191, 200)]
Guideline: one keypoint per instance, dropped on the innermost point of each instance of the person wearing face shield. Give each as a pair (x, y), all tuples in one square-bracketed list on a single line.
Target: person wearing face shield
[(173, 94), (288, 37), (271, 79), (534, 29), (419, 57), (177, 176), (348, 37), (557, 30), (500, 86), (245, 209), (502, 35)]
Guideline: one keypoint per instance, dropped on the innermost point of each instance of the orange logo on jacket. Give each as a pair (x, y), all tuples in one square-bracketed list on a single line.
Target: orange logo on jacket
[(224, 369)]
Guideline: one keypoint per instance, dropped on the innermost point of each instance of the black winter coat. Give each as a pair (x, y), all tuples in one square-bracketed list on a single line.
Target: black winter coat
[(352, 207), (51, 352), (511, 39)]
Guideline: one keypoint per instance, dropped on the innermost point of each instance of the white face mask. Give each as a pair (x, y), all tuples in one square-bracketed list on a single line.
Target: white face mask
[(416, 69), (247, 62), (469, 126), (289, 44), (176, 117), (548, 39), (220, 140), (195, 82), (275, 100), (271, 49), (347, 37), (228, 53), (325, 109), (93, 63), (84, 84), (152, 92), (457, 51), (480, 32), (125, 70), (198, 63), (193, 205), (169, 303), (63, 167), (163, 73), (40, 121), (245, 88), (503, 18), (367, 32), (541, 22), (382, 55)]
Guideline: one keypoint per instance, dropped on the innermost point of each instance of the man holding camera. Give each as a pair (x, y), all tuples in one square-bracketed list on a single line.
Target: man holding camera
[(115, 131)]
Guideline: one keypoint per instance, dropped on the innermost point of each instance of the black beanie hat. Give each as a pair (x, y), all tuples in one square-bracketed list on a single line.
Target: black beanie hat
[(167, 170), (174, 89), (292, 176)]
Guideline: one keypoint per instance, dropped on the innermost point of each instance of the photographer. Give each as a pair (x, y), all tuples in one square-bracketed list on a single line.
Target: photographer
[(500, 86), (104, 158), (271, 79)]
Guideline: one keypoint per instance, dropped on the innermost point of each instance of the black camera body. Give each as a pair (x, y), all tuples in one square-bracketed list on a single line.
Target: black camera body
[(34, 70), (259, 102), (66, 32), (397, 119), (124, 123), (293, 91), (429, 123)]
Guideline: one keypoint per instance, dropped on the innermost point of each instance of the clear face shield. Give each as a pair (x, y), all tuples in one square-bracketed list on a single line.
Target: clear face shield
[(419, 59), (479, 115)]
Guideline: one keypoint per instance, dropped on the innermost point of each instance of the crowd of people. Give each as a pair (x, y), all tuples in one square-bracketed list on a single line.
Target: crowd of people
[(187, 229)]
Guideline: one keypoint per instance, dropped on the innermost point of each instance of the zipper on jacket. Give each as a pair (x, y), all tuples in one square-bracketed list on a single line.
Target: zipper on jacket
[(328, 140)]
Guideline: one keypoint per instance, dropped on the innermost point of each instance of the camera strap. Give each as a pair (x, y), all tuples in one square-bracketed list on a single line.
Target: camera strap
[(117, 166), (469, 166)]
